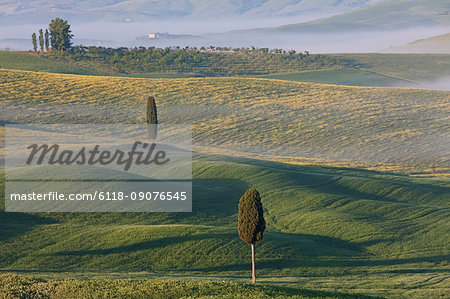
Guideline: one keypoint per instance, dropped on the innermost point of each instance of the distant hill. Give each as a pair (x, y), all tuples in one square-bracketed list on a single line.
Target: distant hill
[(328, 228), (136, 10), (336, 228), (212, 21), (383, 16), (437, 45), (369, 29)]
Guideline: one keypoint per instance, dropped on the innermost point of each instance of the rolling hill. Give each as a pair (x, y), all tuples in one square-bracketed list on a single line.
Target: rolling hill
[(391, 15), (436, 44), (341, 76), (372, 69), (321, 221), (329, 228), (400, 129), (370, 29), (305, 25)]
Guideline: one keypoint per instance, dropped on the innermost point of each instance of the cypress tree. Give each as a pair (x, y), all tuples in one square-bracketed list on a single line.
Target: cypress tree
[(47, 40), (251, 223), (41, 39), (152, 118), (33, 40)]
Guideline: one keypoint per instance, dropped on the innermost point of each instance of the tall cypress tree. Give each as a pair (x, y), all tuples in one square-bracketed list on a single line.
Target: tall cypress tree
[(33, 40), (251, 223), (47, 40), (152, 118), (41, 39)]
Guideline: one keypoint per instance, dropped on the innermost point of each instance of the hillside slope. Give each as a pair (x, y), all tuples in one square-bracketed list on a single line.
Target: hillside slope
[(372, 69), (321, 221), (340, 76), (384, 16), (436, 44), (400, 129), (146, 11), (328, 228)]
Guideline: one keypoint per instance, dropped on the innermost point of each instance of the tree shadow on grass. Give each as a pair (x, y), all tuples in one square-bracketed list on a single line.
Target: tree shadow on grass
[(220, 195), (305, 171), (214, 200), (273, 253), (14, 224), (147, 245)]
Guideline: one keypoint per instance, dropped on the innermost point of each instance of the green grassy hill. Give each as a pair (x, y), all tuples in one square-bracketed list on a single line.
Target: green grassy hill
[(39, 63), (329, 228), (334, 213), (378, 69), (140, 62), (414, 67), (320, 220), (372, 69), (341, 76)]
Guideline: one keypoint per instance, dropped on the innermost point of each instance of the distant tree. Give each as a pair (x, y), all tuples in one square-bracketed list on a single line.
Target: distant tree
[(33, 40), (41, 39), (251, 223), (152, 118), (47, 40), (60, 34)]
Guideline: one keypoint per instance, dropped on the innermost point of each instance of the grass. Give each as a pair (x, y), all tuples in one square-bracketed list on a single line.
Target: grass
[(193, 61), (15, 286), (372, 69), (413, 67), (184, 62), (342, 76), (328, 229), (39, 63), (384, 128), (365, 213), (337, 230)]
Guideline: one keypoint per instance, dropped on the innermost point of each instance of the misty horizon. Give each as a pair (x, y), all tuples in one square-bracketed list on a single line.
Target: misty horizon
[(134, 35), (318, 27)]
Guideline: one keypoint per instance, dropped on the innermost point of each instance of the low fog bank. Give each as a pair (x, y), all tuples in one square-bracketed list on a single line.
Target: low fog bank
[(441, 83), (330, 42), (197, 34), (126, 31)]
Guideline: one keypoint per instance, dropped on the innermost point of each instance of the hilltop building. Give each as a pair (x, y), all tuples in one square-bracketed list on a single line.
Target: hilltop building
[(155, 35)]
